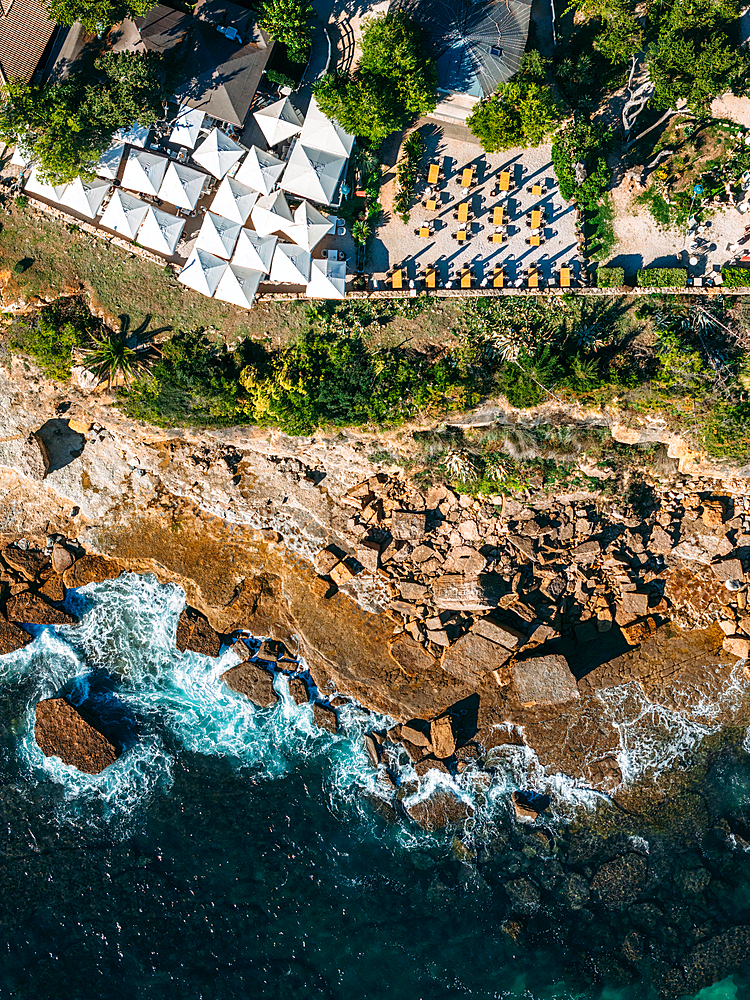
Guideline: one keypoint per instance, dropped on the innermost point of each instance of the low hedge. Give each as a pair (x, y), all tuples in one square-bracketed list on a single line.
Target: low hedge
[(610, 277), (662, 277), (736, 277)]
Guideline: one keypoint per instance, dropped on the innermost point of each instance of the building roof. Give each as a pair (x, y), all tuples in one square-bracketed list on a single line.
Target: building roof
[(25, 31), (477, 44), (224, 72)]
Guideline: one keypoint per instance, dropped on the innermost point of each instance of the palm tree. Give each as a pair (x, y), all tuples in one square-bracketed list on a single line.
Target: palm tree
[(361, 231), (111, 356)]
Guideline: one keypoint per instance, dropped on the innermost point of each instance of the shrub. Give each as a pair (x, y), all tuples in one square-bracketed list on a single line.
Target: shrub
[(662, 277), (610, 277), (281, 79), (22, 201), (51, 337), (736, 277)]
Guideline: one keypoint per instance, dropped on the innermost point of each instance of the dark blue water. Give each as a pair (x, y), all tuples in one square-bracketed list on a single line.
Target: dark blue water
[(234, 852)]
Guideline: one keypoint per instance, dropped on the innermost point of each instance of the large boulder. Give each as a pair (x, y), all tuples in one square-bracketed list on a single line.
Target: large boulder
[(325, 717), (30, 607), (194, 633), (61, 731), (544, 680), (441, 737), (474, 656), (253, 681), (30, 563), (440, 808), (91, 569), (12, 637)]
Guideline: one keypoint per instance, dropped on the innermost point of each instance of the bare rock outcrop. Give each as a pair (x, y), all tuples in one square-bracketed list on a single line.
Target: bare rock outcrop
[(195, 633), (61, 731), (31, 607), (253, 681), (12, 638)]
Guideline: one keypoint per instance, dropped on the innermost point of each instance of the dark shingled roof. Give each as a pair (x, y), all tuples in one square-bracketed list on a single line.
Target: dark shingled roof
[(477, 45), (25, 30), (224, 74)]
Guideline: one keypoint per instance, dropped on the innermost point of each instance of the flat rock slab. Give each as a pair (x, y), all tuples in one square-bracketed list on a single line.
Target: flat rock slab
[(30, 607), (544, 680), (61, 731), (253, 681), (194, 633), (474, 656), (454, 592), (91, 569), (29, 562), (12, 637)]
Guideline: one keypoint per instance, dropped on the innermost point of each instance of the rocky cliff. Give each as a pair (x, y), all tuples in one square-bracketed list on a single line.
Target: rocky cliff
[(472, 623)]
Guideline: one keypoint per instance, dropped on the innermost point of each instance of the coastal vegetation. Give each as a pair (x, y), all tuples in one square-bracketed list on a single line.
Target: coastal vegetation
[(66, 126), (288, 21), (393, 83)]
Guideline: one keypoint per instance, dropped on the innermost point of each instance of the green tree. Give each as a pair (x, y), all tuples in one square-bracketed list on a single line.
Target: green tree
[(522, 112), (66, 127), (95, 15), (288, 21), (620, 35), (393, 83)]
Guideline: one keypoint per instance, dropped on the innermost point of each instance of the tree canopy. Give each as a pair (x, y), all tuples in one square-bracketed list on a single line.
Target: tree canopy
[(393, 83), (522, 112), (66, 127), (288, 21), (95, 15)]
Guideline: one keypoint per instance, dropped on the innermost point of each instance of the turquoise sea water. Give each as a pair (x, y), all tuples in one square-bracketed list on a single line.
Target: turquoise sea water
[(238, 852)]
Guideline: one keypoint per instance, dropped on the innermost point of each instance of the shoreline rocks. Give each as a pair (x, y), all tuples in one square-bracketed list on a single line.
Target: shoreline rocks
[(62, 731)]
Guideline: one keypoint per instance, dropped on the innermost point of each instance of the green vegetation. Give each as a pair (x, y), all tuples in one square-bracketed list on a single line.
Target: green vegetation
[(281, 79), (662, 277), (393, 83), (610, 277), (736, 277), (619, 34), (52, 336), (288, 22), (522, 112), (406, 174), (67, 126), (110, 358), (95, 15), (579, 158)]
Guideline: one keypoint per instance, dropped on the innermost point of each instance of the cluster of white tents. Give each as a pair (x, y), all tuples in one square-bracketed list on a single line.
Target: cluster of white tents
[(228, 260)]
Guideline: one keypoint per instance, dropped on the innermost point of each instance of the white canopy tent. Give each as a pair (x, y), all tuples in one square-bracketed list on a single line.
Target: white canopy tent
[(234, 200), (313, 173), (124, 214), (320, 132), (310, 226), (271, 214), (218, 235), (51, 192), (109, 161), (202, 272), (253, 251), (182, 186), (279, 121), (160, 231), (144, 171), (187, 125), (238, 285), (20, 157), (85, 197), (290, 265), (327, 279), (218, 153), (136, 135), (260, 171)]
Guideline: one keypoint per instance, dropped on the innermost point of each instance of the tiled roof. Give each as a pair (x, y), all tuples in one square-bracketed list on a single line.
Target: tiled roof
[(25, 30)]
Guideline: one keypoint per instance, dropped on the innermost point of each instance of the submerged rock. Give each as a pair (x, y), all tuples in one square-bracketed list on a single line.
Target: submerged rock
[(30, 607), (619, 883), (61, 731), (194, 633), (253, 681)]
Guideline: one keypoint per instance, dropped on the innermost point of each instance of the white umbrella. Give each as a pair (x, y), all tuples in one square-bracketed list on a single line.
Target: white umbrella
[(260, 171), (124, 214), (160, 231), (20, 157), (182, 186), (310, 226), (291, 264), (253, 251), (218, 236), (238, 285), (109, 162), (279, 121), (234, 200), (320, 132), (218, 153), (52, 192), (136, 135), (313, 173), (186, 126), (327, 280), (202, 272), (144, 171), (85, 197), (271, 214)]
